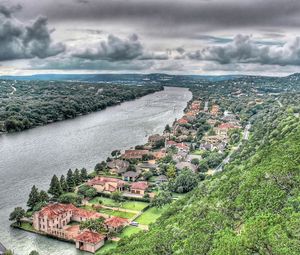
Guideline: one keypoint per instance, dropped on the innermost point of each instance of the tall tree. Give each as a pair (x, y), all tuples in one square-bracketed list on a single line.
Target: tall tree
[(55, 189), (70, 180), (77, 177), (63, 183), (44, 196), (83, 174), (34, 198)]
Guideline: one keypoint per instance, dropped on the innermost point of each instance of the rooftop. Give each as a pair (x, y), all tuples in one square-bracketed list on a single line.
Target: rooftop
[(115, 222), (139, 185), (89, 237)]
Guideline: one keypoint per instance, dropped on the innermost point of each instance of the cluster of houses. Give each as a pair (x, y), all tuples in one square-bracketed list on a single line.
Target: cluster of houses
[(54, 220), (128, 178), (218, 141)]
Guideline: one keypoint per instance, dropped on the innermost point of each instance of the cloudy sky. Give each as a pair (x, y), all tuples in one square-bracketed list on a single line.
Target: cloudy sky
[(146, 36)]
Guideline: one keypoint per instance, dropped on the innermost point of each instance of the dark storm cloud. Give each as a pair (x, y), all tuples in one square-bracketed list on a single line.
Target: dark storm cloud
[(118, 49), (244, 50), (19, 40), (205, 14)]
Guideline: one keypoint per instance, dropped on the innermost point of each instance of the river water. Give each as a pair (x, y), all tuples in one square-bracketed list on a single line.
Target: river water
[(33, 156)]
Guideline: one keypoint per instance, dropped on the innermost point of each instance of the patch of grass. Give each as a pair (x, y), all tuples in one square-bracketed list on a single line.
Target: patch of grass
[(150, 215), (27, 226), (107, 247), (116, 213), (130, 205), (134, 205), (128, 231)]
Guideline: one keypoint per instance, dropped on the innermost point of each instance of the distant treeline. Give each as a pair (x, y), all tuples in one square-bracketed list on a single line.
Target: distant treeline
[(27, 104)]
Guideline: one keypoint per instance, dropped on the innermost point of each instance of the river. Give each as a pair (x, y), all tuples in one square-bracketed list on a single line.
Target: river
[(33, 156)]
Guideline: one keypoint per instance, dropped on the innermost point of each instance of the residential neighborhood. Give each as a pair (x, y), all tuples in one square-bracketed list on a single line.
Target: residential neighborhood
[(123, 194)]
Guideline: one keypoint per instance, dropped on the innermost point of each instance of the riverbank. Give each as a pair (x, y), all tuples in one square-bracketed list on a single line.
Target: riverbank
[(36, 103), (38, 153)]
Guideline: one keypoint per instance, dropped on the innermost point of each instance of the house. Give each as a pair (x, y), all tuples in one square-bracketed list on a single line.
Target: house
[(135, 154), (139, 187), (223, 128), (89, 241), (183, 165), (106, 184), (147, 166), (180, 146), (53, 218), (161, 179), (118, 166), (180, 156), (207, 146), (115, 223), (159, 154), (214, 110), (182, 121), (2, 249), (130, 176), (195, 106)]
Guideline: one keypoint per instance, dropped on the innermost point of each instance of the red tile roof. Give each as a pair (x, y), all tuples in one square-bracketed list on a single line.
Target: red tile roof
[(86, 214), (139, 185), (89, 237), (115, 222), (56, 209), (102, 180), (182, 121)]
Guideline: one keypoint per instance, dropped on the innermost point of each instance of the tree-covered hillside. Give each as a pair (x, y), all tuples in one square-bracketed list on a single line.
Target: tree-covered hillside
[(252, 207), (26, 104)]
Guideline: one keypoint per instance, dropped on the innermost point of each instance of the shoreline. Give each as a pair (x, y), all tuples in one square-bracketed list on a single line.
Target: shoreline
[(2, 133)]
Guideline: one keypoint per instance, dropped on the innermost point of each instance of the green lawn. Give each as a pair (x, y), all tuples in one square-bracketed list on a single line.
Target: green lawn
[(128, 231), (116, 213), (130, 205), (108, 246), (151, 215), (27, 226), (197, 152)]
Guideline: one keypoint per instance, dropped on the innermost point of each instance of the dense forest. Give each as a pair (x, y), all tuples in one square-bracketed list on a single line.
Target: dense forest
[(27, 104), (252, 207)]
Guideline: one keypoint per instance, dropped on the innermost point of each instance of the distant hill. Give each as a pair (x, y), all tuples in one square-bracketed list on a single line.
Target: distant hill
[(117, 77)]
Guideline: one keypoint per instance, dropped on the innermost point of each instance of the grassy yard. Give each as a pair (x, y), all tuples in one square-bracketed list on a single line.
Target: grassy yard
[(128, 231), (116, 213), (197, 152), (151, 215), (130, 205), (108, 246), (27, 226)]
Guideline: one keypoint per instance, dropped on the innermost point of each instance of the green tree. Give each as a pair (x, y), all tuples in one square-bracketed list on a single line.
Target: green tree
[(83, 174), (77, 177), (100, 167), (70, 180), (185, 182), (96, 225), (87, 191), (34, 197), (115, 153), (117, 196), (161, 199), (63, 183), (55, 189), (17, 214), (44, 196), (171, 171)]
